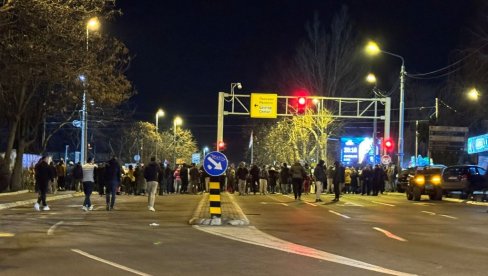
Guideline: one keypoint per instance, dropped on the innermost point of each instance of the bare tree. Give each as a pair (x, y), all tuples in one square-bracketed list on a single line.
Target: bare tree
[(327, 62)]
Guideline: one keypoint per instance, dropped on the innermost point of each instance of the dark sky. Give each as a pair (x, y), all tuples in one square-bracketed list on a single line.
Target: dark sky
[(187, 51)]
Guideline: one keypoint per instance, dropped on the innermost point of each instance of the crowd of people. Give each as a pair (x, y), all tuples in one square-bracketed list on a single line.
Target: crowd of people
[(112, 179)]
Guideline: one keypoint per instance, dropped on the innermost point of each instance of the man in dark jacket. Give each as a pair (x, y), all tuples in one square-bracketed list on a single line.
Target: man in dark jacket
[(297, 173), (254, 178), (241, 175), (184, 178), (284, 179), (151, 174), (43, 174), (320, 179), (339, 177), (112, 181)]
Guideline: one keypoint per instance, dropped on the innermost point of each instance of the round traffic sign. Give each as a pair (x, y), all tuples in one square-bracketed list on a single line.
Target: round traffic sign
[(215, 163), (385, 159), (137, 157)]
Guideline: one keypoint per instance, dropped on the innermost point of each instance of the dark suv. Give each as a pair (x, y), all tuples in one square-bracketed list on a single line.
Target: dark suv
[(425, 181), (464, 178)]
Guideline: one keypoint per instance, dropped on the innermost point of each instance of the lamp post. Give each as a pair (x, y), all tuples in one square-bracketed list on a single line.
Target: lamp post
[(92, 25), (371, 78), (373, 49), (176, 122), (160, 113), (220, 114)]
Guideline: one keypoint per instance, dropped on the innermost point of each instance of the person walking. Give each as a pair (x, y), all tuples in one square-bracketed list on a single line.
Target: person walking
[(112, 181), (88, 183), (194, 179), (320, 178), (177, 178), (297, 175), (241, 174), (338, 179), (168, 176), (43, 175), (254, 172), (273, 177), (184, 178), (330, 179), (77, 176), (140, 180), (285, 179), (61, 173), (53, 184), (263, 180), (151, 174)]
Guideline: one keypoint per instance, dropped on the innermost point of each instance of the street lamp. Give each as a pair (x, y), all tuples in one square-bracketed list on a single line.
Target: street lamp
[(92, 25), (373, 49), (371, 79), (176, 122), (160, 113), (473, 94), (220, 115)]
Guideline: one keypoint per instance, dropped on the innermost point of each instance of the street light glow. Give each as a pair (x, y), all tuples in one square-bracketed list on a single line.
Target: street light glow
[(178, 121), (93, 24), (372, 48), (160, 113), (371, 78), (473, 94)]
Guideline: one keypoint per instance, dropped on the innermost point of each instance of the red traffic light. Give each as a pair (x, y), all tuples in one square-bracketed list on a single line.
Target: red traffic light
[(301, 105), (388, 144), (220, 145)]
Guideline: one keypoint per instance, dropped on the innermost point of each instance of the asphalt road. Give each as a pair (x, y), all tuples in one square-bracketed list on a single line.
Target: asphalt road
[(359, 235)]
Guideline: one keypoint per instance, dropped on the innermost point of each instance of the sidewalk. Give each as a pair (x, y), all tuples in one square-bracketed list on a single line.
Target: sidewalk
[(24, 197), (232, 214)]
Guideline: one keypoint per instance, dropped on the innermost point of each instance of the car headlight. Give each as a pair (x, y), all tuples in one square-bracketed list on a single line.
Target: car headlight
[(419, 180), (436, 179)]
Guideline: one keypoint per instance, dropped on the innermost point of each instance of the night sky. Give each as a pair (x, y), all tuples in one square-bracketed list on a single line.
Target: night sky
[(187, 51)]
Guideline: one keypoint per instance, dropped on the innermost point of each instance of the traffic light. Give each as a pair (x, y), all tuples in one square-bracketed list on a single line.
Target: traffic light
[(388, 145), (221, 146), (301, 105)]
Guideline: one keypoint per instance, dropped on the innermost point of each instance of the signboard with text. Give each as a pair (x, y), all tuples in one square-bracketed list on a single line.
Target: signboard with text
[(264, 105)]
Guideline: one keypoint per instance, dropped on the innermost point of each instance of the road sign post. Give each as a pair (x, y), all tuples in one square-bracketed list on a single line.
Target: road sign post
[(215, 164)]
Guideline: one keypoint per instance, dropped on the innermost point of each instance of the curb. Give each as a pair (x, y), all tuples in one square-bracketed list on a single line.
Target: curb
[(34, 200), (465, 201), (239, 219)]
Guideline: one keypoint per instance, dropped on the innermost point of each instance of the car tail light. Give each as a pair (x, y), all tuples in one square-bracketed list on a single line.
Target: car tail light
[(420, 179), (436, 179)]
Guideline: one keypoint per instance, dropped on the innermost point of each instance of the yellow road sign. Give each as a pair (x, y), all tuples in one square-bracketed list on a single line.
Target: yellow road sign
[(264, 105)]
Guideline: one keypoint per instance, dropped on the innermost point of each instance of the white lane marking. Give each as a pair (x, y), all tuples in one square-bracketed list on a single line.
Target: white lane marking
[(339, 214), (451, 217), (110, 263), (353, 204), (430, 213), (424, 204), (389, 234), (251, 235), (53, 228), (311, 204), (382, 203)]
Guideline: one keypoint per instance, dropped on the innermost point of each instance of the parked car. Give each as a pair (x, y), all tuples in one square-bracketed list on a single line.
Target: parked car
[(426, 180), (464, 178)]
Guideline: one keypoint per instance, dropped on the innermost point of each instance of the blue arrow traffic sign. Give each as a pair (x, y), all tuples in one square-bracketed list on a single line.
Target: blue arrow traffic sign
[(215, 163)]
